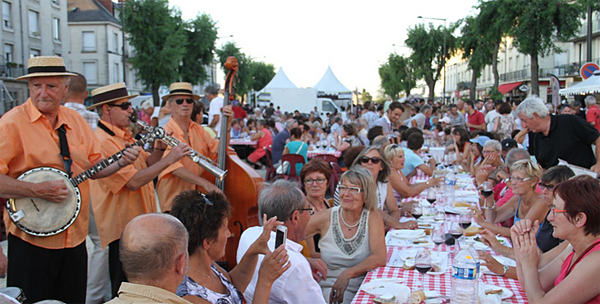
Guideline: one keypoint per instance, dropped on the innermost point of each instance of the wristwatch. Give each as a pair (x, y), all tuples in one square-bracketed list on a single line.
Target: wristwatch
[(505, 268)]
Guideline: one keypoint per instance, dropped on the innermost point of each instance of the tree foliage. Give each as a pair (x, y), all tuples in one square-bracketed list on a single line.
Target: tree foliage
[(201, 34), (476, 48), (156, 32), (260, 74), (397, 75), (428, 54)]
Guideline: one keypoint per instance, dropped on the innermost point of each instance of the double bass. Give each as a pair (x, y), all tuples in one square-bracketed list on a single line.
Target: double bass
[(241, 184)]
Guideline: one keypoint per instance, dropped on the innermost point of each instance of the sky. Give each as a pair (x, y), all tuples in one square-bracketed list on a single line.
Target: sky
[(354, 38)]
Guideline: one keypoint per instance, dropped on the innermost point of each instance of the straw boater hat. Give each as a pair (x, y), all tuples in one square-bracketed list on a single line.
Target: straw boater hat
[(181, 88), (109, 93), (43, 66)]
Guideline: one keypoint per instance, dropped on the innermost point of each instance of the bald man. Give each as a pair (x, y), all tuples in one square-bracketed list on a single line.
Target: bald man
[(154, 256)]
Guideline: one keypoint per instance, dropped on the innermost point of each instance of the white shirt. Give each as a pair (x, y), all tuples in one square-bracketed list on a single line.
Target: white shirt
[(216, 104), (296, 285), (489, 119)]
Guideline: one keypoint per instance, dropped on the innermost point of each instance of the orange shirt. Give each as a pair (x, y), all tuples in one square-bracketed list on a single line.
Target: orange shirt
[(169, 185), (28, 141), (114, 204)]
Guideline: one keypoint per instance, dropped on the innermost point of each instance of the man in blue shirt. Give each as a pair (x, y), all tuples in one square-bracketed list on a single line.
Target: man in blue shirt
[(412, 160), (280, 140)]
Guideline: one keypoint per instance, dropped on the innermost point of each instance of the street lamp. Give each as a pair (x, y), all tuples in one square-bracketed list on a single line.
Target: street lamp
[(444, 48)]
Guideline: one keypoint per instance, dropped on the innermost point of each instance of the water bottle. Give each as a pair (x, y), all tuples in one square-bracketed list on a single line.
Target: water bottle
[(449, 187), (465, 270)]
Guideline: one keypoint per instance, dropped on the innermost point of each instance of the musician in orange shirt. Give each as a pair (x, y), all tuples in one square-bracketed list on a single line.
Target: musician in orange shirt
[(129, 192), (55, 266), (177, 178)]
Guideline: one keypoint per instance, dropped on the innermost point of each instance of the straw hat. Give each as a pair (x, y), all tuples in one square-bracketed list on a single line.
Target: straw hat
[(43, 66), (109, 93), (181, 88)]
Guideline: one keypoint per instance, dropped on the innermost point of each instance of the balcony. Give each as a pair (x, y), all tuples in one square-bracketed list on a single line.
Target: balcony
[(11, 71)]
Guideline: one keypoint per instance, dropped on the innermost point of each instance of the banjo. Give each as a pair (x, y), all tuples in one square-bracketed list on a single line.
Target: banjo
[(41, 217)]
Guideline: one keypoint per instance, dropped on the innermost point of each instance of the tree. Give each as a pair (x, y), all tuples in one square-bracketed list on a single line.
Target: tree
[(476, 49), (243, 74), (201, 35), (397, 75), (156, 33), (261, 73), (539, 23), (428, 54)]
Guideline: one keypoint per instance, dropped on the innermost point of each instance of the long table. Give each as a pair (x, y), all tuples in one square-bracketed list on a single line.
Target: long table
[(440, 283)]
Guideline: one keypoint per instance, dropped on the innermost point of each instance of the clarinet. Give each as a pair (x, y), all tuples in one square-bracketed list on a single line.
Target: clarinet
[(203, 161)]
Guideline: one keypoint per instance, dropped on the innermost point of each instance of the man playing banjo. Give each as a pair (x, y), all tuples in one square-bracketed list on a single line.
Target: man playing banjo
[(177, 178), (129, 192), (52, 266)]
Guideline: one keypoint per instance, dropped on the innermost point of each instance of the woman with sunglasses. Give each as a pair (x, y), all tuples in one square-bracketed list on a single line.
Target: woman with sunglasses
[(315, 176), (525, 204), (547, 243), (573, 276), (353, 236), (394, 154), (206, 218), (370, 159), (264, 138)]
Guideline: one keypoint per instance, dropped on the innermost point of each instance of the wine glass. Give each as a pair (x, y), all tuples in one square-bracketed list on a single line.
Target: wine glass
[(423, 265), (465, 220), (440, 215), (431, 195), (416, 211), (456, 232), (487, 188), (438, 236)]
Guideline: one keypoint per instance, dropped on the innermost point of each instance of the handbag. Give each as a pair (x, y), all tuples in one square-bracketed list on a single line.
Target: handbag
[(285, 166)]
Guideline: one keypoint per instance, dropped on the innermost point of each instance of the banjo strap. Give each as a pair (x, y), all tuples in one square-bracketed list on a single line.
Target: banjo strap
[(64, 149)]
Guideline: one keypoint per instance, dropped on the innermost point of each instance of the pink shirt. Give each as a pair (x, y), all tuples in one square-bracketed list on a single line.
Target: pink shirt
[(565, 266)]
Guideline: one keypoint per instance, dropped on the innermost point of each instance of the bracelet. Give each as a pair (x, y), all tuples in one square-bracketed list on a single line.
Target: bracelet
[(385, 220), (119, 163), (161, 149)]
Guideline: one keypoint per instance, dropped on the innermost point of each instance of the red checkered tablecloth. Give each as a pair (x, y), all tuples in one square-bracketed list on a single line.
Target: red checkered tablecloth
[(312, 154)]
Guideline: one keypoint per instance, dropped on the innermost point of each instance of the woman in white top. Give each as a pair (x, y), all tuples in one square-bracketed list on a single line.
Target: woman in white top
[(353, 236)]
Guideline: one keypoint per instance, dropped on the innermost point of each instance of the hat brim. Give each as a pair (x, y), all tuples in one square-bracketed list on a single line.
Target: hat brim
[(110, 100), (196, 97), (45, 75)]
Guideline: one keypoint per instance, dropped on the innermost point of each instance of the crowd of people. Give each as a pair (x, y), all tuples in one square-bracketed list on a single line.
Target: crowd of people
[(161, 243)]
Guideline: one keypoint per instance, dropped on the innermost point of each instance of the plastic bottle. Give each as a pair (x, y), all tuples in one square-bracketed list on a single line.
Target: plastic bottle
[(449, 187), (465, 271)]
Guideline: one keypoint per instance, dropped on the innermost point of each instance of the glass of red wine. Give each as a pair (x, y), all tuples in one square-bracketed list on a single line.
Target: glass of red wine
[(422, 265), (456, 232), (464, 220), (431, 195), (416, 211), (438, 235), (487, 188)]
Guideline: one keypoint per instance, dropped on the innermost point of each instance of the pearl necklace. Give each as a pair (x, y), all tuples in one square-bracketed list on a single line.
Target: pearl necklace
[(344, 221)]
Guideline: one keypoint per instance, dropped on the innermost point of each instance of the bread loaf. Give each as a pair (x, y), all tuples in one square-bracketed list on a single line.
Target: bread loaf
[(416, 297), (471, 231)]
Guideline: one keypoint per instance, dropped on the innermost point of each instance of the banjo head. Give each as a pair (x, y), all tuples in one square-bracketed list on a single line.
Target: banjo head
[(40, 217)]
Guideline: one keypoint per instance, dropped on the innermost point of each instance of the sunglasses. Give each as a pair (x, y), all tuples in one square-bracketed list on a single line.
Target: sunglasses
[(548, 187), (123, 106), (366, 159), (187, 100)]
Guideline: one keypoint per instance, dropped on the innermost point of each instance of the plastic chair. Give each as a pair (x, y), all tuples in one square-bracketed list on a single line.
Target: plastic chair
[(270, 175), (335, 176), (326, 157), (293, 159)]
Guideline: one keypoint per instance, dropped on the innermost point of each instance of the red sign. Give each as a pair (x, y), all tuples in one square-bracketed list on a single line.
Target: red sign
[(587, 70)]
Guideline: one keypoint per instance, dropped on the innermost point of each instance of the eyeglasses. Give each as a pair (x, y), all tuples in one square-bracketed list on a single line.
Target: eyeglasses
[(548, 187), (187, 100), (555, 211), (352, 190), (518, 180), (123, 106), (374, 160), (487, 152), (310, 211), (310, 181)]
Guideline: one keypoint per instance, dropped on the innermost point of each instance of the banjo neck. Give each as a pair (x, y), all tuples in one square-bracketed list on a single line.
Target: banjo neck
[(103, 164)]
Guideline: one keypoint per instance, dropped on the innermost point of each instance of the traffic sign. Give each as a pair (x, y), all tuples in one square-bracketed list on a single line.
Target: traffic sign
[(587, 70)]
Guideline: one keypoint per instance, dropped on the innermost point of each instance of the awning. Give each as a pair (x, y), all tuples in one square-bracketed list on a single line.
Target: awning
[(507, 87)]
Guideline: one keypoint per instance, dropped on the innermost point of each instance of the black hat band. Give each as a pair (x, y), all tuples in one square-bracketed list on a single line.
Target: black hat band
[(47, 69), (109, 95), (181, 91)]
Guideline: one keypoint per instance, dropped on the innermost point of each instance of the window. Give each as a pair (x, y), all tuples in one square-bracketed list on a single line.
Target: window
[(8, 52), (116, 42), (116, 72), (34, 53), (56, 29), (90, 72), (6, 20), (55, 2), (89, 42), (33, 24)]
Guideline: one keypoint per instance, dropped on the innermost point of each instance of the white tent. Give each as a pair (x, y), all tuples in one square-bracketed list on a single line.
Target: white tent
[(588, 86), (279, 81), (330, 85)]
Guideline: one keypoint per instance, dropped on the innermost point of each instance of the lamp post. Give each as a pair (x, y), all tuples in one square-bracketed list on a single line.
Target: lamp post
[(443, 50)]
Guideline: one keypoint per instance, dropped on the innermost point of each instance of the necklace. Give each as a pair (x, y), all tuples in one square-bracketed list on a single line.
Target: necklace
[(344, 221), (211, 276)]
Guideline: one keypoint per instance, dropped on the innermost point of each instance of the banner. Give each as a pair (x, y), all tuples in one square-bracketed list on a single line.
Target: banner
[(555, 86)]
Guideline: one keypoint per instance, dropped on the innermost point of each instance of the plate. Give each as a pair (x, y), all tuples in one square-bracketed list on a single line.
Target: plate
[(506, 293), (408, 234), (456, 210), (381, 287)]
